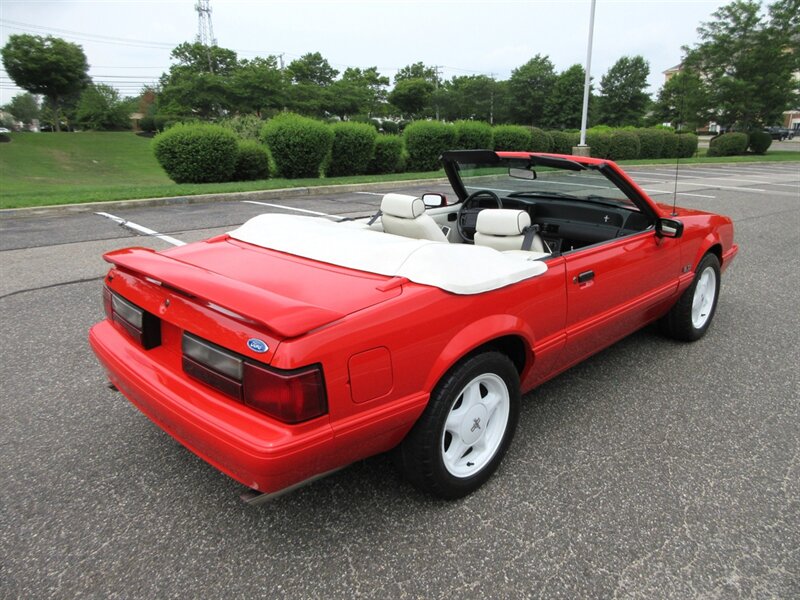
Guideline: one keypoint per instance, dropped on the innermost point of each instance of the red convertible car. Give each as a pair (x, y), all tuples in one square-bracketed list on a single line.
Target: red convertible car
[(294, 346)]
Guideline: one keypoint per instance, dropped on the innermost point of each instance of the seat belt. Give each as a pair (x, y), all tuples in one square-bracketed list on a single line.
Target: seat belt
[(375, 217), (530, 234)]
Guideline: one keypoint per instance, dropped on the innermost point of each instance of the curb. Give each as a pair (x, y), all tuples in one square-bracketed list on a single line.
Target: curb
[(282, 193)]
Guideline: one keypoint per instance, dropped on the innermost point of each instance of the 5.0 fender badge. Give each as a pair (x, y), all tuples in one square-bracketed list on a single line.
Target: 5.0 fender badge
[(257, 345)]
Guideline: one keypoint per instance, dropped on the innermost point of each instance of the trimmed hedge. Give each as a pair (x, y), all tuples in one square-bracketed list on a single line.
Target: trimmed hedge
[(197, 153), (650, 143), (669, 145), (388, 157), (473, 135), (563, 141), (624, 145), (728, 144), (541, 141), (599, 142), (246, 127), (760, 141), (687, 145), (353, 147), (298, 145), (252, 162), (390, 127), (425, 142), (511, 137)]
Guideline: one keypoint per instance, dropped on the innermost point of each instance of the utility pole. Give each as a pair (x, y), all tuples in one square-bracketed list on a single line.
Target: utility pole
[(436, 92), (491, 100)]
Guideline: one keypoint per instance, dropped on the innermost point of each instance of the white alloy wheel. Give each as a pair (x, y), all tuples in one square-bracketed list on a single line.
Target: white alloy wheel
[(704, 295), (475, 426)]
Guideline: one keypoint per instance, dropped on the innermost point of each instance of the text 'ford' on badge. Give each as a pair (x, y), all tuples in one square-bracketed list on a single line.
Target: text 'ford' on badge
[(257, 345)]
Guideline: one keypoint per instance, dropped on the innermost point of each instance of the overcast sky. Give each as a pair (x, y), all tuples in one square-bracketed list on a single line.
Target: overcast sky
[(128, 43)]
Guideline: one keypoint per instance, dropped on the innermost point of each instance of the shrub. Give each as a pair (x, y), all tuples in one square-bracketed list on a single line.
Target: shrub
[(196, 153), (511, 137), (390, 127), (624, 145), (388, 157), (669, 144), (687, 145), (402, 124), (252, 161), (246, 127), (425, 142), (760, 141), (599, 141), (563, 141), (540, 141), (298, 144), (353, 147), (473, 135), (728, 144), (650, 143)]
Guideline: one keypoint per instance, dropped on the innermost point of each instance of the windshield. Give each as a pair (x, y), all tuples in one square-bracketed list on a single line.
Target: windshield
[(588, 185)]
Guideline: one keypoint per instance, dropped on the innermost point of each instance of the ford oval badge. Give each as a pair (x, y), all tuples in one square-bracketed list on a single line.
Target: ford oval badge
[(257, 345)]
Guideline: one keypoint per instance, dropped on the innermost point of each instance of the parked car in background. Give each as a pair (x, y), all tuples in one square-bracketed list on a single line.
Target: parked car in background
[(780, 133), (293, 346)]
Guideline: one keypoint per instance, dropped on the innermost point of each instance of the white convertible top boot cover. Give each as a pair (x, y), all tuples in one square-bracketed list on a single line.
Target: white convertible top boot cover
[(456, 268)]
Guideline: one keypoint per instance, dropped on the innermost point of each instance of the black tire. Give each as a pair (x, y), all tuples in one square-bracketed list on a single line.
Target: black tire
[(679, 323), (423, 454)]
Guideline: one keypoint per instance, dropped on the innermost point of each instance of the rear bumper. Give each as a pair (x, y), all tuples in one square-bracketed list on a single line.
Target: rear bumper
[(253, 449)]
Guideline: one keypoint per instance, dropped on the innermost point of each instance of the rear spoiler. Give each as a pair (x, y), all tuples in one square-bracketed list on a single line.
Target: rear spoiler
[(284, 316)]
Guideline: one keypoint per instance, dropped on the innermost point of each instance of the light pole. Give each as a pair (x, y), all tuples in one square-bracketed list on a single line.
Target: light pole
[(582, 149)]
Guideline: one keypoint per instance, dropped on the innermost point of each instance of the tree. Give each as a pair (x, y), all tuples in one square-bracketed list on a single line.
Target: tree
[(623, 100), (48, 66), (371, 84), (200, 83), (101, 108), (417, 71), (309, 79), (563, 108), (24, 107), (311, 68), (411, 96), (746, 61), (529, 87), (257, 85), (469, 97), (683, 102)]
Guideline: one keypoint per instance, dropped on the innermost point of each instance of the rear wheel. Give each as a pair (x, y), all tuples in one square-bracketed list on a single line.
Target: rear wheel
[(466, 429), (691, 316)]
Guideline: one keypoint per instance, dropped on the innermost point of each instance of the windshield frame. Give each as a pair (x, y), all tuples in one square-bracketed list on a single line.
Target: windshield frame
[(616, 177)]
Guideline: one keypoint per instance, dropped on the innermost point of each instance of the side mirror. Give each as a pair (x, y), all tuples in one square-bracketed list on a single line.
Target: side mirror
[(669, 228), (518, 173), (432, 200)]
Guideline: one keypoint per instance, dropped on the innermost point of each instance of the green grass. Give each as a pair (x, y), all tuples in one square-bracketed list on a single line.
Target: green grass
[(69, 168)]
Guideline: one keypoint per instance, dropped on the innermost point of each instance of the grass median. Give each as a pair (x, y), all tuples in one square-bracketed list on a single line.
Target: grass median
[(71, 168)]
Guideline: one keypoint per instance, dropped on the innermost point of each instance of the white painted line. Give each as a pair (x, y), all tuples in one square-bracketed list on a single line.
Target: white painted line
[(370, 193), (302, 210), (143, 230), (649, 191)]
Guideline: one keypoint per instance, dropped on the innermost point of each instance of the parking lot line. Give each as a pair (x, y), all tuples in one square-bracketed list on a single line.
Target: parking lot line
[(302, 210), (650, 191), (141, 229)]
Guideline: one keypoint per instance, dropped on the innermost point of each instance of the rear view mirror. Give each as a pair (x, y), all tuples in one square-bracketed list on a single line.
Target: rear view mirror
[(432, 200), (518, 173)]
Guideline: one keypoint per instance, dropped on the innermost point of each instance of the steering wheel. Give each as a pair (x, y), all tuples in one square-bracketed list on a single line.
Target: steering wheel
[(468, 215)]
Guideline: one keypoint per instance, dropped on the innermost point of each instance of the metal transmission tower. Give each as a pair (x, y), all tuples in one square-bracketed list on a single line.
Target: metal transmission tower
[(205, 30)]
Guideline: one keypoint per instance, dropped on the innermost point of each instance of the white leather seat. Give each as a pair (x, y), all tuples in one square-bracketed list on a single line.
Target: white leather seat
[(504, 229), (405, 215)]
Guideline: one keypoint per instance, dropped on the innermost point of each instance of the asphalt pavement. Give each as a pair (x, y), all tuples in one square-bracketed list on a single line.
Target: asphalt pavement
[(655, 469)]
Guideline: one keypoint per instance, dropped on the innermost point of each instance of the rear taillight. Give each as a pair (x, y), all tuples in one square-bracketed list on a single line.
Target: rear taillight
[(289, 396), (142, 326)]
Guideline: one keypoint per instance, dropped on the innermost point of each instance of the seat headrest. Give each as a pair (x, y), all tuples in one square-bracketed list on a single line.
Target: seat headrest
[(402, 206), (502, 221)]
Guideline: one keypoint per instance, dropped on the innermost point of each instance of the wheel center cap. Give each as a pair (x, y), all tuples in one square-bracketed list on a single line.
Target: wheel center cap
[(473, 425)]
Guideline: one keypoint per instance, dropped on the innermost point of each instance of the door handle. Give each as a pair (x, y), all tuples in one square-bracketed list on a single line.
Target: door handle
[(583, 277)]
